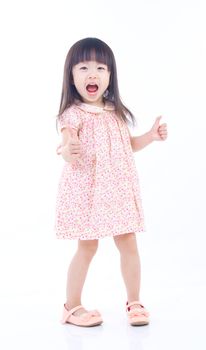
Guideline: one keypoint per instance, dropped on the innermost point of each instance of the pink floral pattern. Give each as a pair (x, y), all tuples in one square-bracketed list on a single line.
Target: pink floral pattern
[(100, 196)]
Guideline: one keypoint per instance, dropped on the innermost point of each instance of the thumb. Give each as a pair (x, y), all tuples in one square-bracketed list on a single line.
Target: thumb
[(156, 123), (73, 133), (79, 128)]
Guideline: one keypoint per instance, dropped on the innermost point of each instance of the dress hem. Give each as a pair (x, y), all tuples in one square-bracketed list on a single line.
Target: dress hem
[(88, 237)]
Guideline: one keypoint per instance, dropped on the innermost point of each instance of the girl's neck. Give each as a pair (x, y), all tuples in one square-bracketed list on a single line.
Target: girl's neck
[(100, 104), (109, 106)]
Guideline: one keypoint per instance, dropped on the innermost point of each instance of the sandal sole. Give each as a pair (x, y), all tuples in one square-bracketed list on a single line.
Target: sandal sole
[(89, 325), (139, 324)]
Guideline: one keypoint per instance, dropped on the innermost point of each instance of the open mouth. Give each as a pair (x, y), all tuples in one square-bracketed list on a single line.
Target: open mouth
[(92, 88)]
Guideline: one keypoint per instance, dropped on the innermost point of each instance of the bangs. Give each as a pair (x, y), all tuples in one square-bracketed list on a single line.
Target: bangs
[(92, 49)]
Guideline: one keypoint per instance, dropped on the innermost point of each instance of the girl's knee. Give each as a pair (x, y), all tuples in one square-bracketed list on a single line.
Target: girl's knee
[(126, 242), (88, 247), (125, 238)]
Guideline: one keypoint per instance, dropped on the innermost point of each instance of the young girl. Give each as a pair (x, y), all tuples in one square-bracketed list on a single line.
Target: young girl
[(98, 193)]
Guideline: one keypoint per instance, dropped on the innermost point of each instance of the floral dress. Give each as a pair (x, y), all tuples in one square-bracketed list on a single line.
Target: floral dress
[(100, 195)]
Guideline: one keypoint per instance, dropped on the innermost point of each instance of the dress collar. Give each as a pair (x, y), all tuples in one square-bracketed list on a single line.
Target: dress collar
[(109, 106)]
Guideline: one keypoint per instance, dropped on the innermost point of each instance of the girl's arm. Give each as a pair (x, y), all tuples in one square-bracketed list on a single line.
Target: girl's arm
[(70, 148), (156, 133)]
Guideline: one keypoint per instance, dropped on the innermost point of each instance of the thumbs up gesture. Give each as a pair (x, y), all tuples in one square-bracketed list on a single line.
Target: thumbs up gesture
[(159, 131), (71, 150)]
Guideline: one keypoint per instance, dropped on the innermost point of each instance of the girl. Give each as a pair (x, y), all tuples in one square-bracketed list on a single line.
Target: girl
[(98, 193)]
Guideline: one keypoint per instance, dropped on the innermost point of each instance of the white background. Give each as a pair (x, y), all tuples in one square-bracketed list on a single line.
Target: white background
[(160, 49)]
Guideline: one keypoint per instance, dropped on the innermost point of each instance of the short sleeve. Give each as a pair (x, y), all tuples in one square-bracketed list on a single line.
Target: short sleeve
[(70, 117)]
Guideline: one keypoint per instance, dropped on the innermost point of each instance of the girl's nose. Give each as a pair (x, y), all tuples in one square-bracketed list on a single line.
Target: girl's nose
[(92, 74)]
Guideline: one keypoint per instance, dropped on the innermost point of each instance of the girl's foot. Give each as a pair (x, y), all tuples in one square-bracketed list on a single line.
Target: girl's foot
[(80, 317), (137, 314)]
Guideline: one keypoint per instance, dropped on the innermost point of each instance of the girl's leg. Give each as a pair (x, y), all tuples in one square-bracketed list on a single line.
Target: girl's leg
[(77, 272), (130, 264)]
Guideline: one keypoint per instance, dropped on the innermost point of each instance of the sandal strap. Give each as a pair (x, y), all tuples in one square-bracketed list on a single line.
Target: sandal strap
[(136, 302), (70, 312)]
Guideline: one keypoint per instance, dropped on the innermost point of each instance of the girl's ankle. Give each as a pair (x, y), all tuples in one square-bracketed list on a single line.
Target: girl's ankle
[(70, 305)]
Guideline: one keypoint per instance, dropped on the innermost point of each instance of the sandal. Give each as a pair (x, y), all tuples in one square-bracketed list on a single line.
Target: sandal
[(87, 319), (137, 316)]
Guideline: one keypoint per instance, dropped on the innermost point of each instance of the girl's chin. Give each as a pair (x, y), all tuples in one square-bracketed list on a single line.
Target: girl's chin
[(93, 98)]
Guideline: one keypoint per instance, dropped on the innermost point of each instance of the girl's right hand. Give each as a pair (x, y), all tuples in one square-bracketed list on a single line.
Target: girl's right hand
[(71, 150)]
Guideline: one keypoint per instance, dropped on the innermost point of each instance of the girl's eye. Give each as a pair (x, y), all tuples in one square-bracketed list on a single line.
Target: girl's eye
[(83, 68), (101, 68)]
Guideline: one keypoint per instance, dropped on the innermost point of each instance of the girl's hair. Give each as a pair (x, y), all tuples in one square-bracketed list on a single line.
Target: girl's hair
[(85, 50)]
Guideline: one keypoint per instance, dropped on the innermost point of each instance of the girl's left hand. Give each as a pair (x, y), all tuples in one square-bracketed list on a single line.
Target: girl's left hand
[(159, 131)]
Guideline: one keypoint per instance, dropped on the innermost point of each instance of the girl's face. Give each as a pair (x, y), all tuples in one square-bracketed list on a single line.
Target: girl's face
[(91, 79)]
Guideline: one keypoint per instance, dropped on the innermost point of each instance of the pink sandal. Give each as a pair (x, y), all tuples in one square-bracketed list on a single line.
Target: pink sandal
[(87, 319), (137, 316)]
